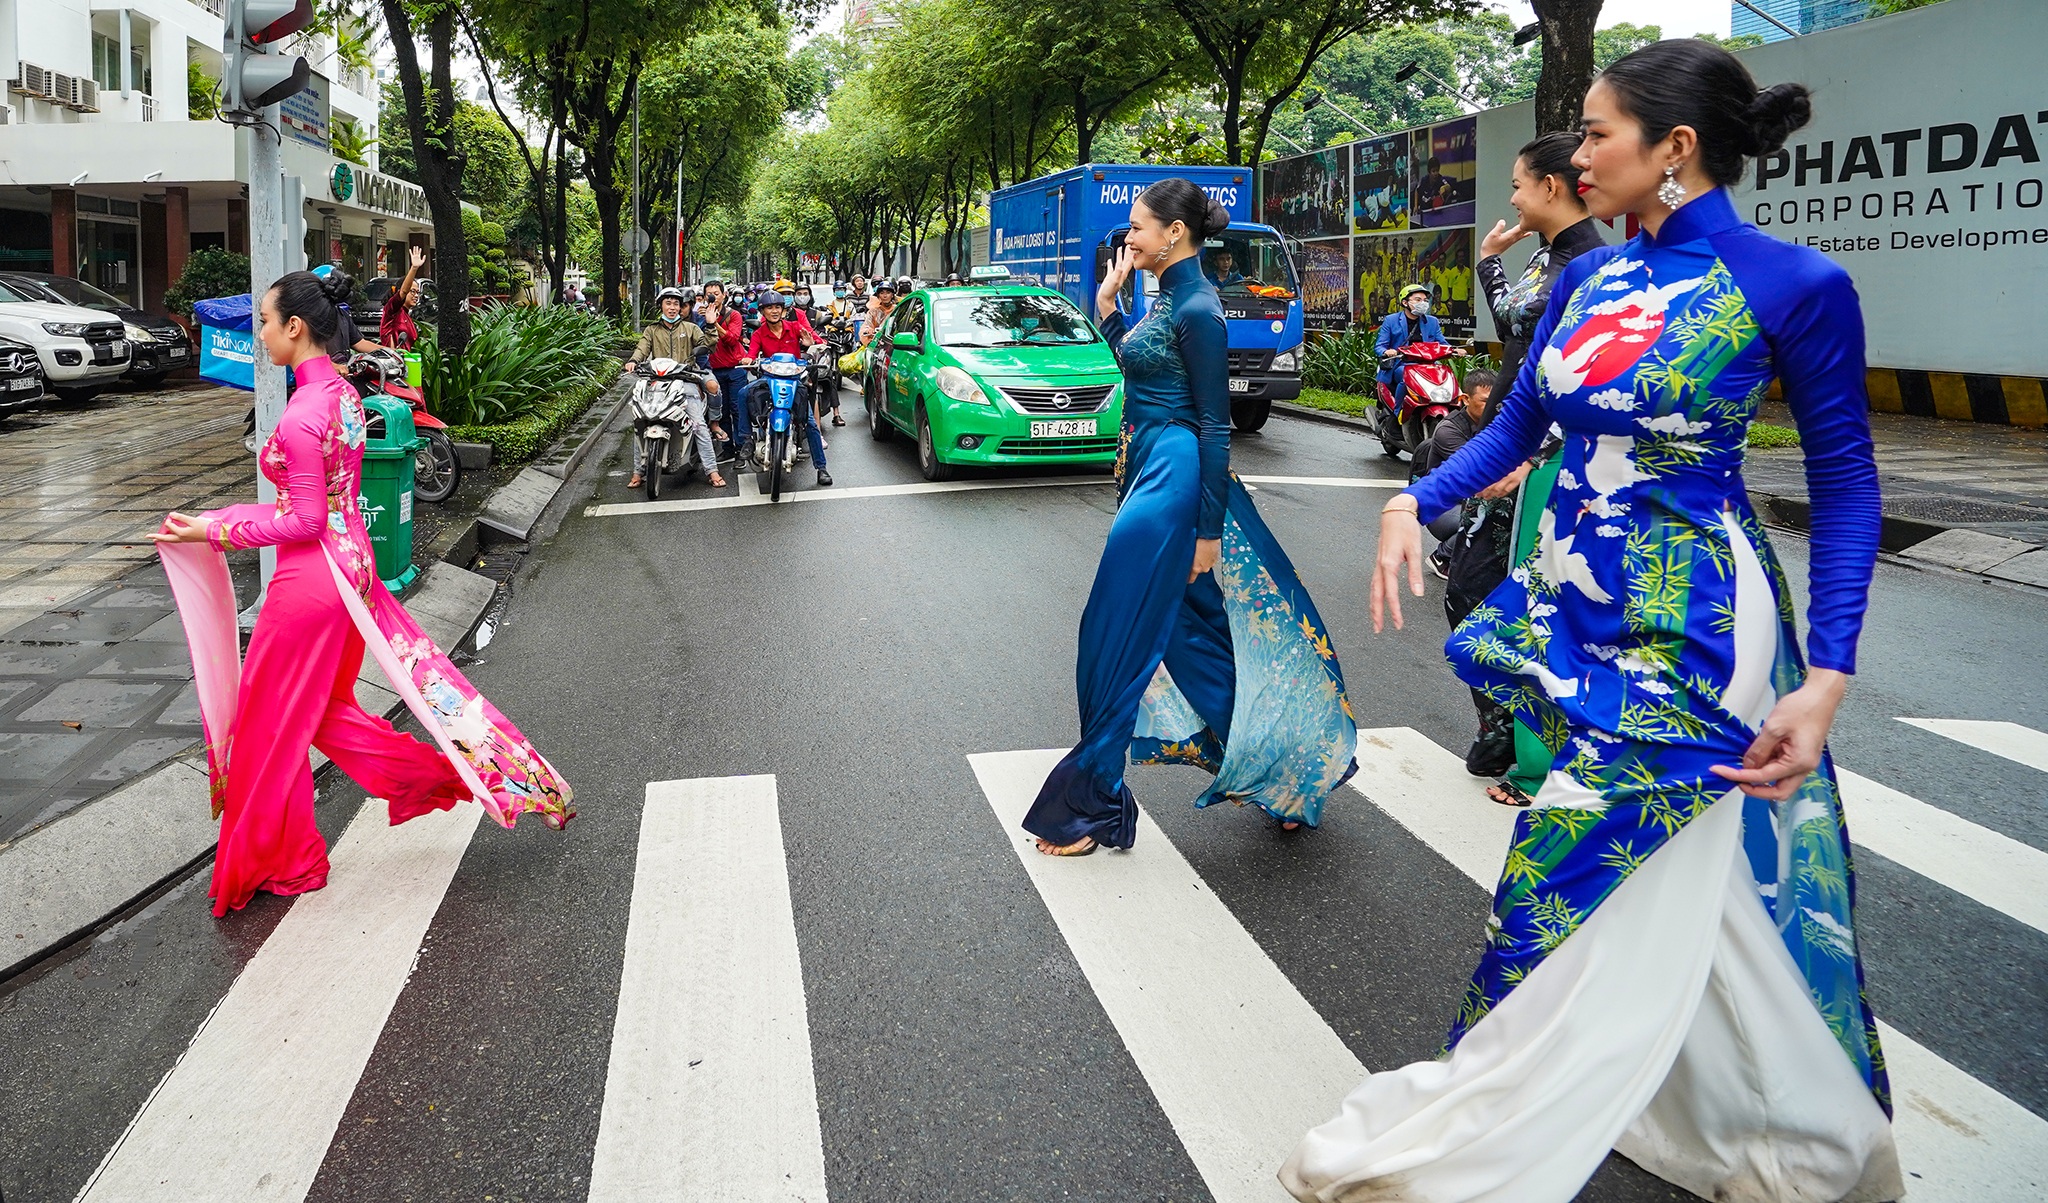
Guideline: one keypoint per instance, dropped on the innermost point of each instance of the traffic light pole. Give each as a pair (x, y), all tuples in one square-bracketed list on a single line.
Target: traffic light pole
[(266, 264)]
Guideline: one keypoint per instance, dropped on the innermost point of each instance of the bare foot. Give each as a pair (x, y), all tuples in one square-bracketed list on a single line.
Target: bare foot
[(635, 482), (1290, 827), (1080, 847)]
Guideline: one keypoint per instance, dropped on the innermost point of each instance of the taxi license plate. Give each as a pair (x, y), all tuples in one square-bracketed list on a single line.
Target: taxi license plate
[(1068, 429), (1239, 384)]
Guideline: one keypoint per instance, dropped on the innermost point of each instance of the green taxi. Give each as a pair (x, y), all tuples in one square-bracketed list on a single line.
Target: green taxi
[(994, 374)]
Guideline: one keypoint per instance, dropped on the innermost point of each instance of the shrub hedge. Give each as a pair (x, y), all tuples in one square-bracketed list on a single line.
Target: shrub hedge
[(518, 360), (521, 439)]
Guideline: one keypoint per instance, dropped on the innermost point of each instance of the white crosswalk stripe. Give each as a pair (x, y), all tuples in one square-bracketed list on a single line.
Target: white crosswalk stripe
[(2023, 745), (1962, 1140), (247, 1113), (1239, 1061), (710, 1096), (1980, 864)]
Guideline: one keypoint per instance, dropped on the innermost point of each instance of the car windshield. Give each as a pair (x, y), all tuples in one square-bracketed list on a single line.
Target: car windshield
[(999, 320), (78, 292), (8, 294), (1244, 263)]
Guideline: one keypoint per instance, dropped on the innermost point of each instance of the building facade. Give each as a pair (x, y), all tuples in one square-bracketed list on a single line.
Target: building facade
[(111, 171), (1803, 16)]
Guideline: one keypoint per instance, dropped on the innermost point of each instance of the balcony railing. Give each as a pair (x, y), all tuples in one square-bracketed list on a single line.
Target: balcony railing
[(149, 108), (218, 8)]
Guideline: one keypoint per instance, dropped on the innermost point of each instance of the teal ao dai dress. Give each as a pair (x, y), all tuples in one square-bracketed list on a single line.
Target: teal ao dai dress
[(1671, 967), (1233, 671)]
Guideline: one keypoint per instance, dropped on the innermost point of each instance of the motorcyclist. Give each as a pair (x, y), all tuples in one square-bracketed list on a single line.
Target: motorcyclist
[(675, 337), (777, 336), (1411, 322), (726, 325), (815, 318), (879, 308)]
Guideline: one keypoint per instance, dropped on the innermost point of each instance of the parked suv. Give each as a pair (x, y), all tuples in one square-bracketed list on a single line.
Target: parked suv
[(21, 379), (159, 346), (81, 351)]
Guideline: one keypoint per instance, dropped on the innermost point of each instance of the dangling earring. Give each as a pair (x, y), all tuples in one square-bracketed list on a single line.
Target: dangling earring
[(1671, 193), (1166, 250)]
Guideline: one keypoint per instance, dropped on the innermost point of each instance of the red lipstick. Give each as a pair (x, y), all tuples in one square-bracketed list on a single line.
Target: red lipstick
[(1584, 188)]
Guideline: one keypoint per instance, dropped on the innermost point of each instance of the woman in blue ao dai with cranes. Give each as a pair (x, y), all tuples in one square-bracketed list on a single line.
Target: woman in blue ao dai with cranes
[(1232, 670), (1671, 967)]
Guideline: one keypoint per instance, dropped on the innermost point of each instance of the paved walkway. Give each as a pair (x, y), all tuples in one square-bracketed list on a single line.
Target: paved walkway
[(95, 683)]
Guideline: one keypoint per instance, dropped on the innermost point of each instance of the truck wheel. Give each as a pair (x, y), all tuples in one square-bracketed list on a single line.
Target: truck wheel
[(928, 460), (1250, 415)]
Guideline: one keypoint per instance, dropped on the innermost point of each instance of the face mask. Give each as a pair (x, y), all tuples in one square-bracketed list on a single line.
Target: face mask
[(670, 321), (1418, 307), (803, 298)]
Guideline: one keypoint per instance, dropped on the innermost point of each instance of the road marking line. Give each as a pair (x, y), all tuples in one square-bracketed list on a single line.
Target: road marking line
[(1963, 1140), (2010, 740), (750, 483), (1334, 482), (683, 505), (1241, 1064), (248, 1111), (1974, 861), (710, 1094)]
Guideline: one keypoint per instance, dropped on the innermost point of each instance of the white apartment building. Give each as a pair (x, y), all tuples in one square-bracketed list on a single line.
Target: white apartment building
[(105, 175)]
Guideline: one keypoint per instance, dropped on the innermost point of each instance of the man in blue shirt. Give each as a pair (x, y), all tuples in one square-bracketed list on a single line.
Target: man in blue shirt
[(1410, 322)]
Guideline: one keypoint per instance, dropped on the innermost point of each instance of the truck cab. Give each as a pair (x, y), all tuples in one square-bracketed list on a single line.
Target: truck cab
[(1059, 228)]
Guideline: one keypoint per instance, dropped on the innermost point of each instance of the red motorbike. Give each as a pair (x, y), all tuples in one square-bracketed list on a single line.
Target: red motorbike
[(436, 470), (1429, 389)]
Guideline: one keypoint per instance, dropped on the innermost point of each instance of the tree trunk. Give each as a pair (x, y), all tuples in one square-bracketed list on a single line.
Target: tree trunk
[(430, 121), (1567, 61)]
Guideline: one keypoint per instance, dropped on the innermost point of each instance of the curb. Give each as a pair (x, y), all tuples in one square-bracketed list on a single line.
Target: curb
[(1324, 416), (512, 511), (1959, 549)]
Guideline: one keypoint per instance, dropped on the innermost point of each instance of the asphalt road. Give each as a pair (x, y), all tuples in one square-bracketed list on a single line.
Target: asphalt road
[(860, 649)]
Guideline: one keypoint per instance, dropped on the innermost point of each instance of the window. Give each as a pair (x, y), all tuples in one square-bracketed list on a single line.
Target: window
[(106, 62), (998, 320), (1247, 263), (909, 319)]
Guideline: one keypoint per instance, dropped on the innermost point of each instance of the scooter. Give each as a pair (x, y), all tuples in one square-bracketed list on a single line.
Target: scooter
[(436, 470), (822, 359), (784, 373), (1429, 388), (662, 419)]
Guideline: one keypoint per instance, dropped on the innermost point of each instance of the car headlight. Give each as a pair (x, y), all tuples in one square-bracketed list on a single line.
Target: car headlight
[(137, 334), (65, 329), (1288, 360), (961, 387)]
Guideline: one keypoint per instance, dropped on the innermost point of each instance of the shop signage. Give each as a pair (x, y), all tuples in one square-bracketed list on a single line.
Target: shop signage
[(380, 193)]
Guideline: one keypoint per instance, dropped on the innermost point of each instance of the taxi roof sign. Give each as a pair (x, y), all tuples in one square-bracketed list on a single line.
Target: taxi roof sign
[(989, 271)]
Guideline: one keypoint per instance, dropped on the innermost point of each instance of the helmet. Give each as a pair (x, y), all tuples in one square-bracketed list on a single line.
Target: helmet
[(1408, 290), (774, 298), (680, 294), (885, 285), (904, 284)]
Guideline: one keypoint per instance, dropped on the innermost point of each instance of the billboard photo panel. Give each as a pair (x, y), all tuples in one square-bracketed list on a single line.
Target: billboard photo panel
[(1443, 167), (1382, 264), (1326, 284), (1309, 196)]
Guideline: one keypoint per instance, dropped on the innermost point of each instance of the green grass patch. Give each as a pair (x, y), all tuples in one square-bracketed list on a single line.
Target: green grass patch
[(1766, 437), (1334, 402), (520, 439)]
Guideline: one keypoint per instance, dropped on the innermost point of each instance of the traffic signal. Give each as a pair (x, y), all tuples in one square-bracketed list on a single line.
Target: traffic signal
[(256, 77)]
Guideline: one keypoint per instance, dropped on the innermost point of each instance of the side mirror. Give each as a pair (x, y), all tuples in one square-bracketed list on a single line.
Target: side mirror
[(905, 339)]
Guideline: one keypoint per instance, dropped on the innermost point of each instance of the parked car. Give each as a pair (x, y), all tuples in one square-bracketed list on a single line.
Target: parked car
[(21, 377), (160, 346), (80, 351)]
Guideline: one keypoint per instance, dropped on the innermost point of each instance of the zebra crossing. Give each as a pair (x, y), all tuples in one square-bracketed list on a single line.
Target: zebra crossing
[(711, 1093)]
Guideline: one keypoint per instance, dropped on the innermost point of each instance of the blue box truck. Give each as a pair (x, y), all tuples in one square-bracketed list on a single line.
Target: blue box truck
[(1058, 228)]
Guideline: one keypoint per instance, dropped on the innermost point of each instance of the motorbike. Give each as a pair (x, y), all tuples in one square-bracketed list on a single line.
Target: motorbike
[(823, 361), (436, 469), (1429, 388), (662, 419), (783, 372)]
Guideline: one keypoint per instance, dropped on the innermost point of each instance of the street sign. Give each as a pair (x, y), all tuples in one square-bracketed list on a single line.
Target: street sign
[(637, 242)]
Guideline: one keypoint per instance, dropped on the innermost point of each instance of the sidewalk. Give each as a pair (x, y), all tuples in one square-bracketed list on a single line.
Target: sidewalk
[(1966, 496)]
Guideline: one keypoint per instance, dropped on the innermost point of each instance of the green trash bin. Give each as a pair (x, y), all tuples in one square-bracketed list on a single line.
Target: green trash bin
[(412, 369), (386, 499)]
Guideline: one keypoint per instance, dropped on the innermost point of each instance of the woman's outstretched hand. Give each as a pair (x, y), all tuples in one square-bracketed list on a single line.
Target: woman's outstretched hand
[(1207, 552), (1400, 543), (1113, 282), (1788, 746), (177, 528)]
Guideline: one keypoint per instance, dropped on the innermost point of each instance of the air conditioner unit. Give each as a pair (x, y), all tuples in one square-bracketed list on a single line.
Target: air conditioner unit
[(87, 92), (31, 80), (64, 89)]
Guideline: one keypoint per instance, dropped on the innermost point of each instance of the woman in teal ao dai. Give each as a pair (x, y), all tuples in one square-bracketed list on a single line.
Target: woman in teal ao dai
[(1671, 968), (1197, 645)]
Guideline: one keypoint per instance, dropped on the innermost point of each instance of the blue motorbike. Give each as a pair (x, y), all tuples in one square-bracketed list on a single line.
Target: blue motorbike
[(784, 373)]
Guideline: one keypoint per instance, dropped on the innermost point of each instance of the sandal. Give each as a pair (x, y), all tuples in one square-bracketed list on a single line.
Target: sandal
[(837, 420), (1080, 847), (1507, 793), (716, 481), (635, 482)]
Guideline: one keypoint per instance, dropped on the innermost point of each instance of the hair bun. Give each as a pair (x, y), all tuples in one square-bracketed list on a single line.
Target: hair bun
[(338, 286), (1774, 114), (1216, 220)]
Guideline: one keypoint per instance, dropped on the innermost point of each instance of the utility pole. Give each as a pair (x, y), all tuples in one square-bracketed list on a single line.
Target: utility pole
[(634, 244), (256, 80)]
